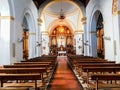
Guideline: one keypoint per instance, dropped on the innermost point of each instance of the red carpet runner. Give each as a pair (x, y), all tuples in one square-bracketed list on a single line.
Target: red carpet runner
[(63, 78)]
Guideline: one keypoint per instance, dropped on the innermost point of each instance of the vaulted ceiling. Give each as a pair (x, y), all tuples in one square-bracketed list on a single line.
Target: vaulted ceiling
[(52, 14), (39, 2)]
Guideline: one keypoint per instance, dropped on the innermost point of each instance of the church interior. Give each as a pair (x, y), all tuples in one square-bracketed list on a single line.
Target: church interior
[(59, 45)]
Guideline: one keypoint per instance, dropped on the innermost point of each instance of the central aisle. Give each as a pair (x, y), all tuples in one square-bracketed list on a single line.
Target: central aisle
[(63, 78)]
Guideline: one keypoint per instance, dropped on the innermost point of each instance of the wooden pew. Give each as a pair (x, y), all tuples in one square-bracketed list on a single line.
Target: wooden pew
[(39, 60), (98, 77), (94, 61), (30, 66), (39, 70), (23, 70), (46, 76), (20, 77), (36, 60), (96, 64), (26, 65), (100, 69), (93, 64), (79, 62), (33, 63), (48, 64), (20, 65), (82, 65), (14, 88)]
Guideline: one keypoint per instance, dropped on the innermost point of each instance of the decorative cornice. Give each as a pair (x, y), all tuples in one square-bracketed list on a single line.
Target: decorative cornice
[(79, 31), (39, 21), (83, 19), (44, 32), (7, 17), (106, 38)]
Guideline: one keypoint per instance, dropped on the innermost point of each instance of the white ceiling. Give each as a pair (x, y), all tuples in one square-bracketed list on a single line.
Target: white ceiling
[(65, 6)]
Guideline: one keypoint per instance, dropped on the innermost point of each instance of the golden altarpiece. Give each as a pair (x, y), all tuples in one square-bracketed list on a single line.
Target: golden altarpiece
[(61, 41)]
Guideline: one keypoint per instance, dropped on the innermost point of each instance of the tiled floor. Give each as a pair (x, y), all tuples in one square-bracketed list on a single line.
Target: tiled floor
[(64, 78)]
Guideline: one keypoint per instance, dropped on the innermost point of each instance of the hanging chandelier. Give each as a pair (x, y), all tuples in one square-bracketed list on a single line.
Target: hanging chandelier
[(61, 16)]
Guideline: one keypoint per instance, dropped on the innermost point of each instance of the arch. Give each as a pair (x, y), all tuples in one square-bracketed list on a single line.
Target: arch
[(56, 23), (12, 8), (78, 26), (95, 26), (29, 25), (30, 17)]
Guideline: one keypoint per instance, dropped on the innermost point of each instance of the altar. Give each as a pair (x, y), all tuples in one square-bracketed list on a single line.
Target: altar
[(62, 53)]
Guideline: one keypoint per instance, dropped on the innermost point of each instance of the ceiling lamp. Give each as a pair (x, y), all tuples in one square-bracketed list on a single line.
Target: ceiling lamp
[(61, 13)]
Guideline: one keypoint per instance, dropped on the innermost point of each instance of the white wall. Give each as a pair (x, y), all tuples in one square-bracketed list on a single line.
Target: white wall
[(4, 32), (79, 43), (11, 50), (116, 28)]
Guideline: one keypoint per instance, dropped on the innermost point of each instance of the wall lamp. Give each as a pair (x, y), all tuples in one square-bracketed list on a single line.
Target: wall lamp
[(20, 39), (38, 44)]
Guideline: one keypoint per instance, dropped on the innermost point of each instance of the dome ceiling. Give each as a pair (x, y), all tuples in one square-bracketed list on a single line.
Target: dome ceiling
[(39, 2), (65, 6), (71, 15)]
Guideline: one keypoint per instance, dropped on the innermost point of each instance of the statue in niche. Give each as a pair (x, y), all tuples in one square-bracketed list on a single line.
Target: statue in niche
[(44, 50), (69, 41), (61, 48), (53, 41)]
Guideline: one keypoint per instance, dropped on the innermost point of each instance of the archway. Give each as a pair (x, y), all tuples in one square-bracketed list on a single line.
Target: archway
[(49, 12), (29, 35), (97, 35)]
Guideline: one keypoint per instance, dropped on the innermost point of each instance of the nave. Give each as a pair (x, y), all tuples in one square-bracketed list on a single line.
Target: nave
[(74, 72), (64, 78)]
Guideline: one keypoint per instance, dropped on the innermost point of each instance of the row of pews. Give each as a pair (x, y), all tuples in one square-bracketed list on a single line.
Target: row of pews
[(95, 73), (32, 74)]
